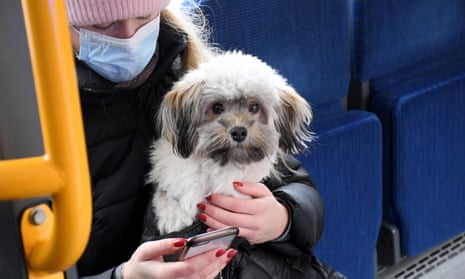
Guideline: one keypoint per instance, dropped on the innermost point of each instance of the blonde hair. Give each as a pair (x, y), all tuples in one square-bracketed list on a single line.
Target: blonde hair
[(192, 22)]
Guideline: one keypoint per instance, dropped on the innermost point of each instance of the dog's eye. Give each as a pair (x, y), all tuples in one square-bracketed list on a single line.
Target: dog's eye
[(217, 108), (254, 108)]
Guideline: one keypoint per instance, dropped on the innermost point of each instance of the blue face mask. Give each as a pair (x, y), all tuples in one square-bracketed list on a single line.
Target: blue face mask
[(116, 59)]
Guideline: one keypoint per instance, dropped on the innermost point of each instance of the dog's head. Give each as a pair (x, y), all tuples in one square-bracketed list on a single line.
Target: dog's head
[(234, 108)]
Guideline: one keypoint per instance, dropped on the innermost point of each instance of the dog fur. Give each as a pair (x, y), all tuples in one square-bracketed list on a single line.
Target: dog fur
[(227, 120)]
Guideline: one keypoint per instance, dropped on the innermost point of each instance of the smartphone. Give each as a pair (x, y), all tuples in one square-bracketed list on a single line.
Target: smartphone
[(204, 242)]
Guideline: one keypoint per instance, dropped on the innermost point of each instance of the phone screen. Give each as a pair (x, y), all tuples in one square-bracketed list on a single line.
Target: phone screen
[(201, 243)]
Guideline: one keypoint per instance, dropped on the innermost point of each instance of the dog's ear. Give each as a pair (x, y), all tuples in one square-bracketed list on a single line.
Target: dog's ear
[(294, 117), (179, 117)]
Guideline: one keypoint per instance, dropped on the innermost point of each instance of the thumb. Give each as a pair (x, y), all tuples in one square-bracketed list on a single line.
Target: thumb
[(156, 249), (255, 190)]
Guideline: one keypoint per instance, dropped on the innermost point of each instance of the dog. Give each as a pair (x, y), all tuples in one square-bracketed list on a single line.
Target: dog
[(227, 120)]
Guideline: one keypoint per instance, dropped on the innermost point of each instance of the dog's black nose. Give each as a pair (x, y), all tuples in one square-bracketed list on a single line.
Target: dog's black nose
[(238, 133)]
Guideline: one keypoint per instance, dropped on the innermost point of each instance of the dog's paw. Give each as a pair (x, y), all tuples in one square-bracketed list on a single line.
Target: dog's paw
[(175, 220), (171, 217)]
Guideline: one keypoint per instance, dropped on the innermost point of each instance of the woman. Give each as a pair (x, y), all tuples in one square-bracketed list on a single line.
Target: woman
[(128, 54)]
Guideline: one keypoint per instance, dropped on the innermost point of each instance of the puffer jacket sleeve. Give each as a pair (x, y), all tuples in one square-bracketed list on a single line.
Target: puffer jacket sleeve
[(306, 209)]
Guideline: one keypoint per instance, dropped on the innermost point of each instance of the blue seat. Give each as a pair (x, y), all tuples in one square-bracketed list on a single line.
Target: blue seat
[(409, 54), (346, 167), (308, 42)]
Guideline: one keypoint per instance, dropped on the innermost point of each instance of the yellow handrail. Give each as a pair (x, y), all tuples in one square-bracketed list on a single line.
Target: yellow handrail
[(62, 171)]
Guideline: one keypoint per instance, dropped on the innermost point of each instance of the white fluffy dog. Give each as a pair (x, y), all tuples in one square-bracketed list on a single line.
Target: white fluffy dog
[(227, 120)]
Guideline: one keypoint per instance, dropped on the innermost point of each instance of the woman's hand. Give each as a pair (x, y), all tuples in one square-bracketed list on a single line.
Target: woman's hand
[(147, 262), (260, 219)]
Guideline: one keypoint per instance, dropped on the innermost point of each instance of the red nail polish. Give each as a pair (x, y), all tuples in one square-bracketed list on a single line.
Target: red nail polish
[(237, 184), (179, 243), (201, 206), (202, 217), (209, 198), (231, 254), (220, 253)]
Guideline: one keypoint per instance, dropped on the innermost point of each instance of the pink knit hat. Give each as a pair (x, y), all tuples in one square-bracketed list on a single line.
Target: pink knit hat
[(89, 12)]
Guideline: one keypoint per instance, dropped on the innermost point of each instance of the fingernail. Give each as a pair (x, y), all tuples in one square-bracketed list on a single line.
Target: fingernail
[(202, 217), (220, 253), (201, 206), (237, 184), (231, 254), (179, 243), (209, 198)]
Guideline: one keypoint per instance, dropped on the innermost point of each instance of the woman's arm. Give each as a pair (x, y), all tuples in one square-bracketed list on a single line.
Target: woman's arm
[(147, 262), (306, 208), (306, 214)]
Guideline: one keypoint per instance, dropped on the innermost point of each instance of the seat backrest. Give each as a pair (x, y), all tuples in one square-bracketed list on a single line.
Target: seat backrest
[(306, 41), (389, 36)]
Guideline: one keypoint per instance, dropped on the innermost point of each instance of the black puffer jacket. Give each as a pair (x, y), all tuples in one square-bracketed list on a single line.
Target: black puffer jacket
[(119, 129)]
